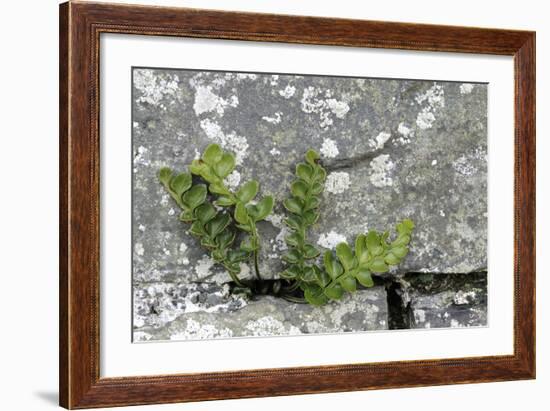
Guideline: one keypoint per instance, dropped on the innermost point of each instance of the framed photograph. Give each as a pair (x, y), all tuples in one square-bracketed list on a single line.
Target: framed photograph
[(260, 205)]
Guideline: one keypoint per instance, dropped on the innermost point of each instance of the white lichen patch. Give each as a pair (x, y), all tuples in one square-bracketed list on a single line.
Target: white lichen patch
[(380, 167), (276, 119), (268, 326), (425, 118), (246, 76), (337, 182), (432, 100), (206, 101), (203, 266), (138, 249), (232, 180), (339, 108), (230, 141), (466, 88), (141, 156), (464, 297), (331, 239), (419, 316), (329, 149), (195, 330), (154, 87), (314, 101), (288, 91), (405, 134), (278, 244), (466, 164), (455, 324), (434, 96), (182, 248), (381, 139)]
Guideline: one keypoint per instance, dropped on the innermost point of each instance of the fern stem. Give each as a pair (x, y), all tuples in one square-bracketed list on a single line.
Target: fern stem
[(292, 299), (257, 265), (292, 287), (237, 280)]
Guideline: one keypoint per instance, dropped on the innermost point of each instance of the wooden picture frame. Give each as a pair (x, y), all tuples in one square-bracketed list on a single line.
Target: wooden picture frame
[(80, 27)]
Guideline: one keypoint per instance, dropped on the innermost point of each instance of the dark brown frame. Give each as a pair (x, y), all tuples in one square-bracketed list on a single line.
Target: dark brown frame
[(80, 27)]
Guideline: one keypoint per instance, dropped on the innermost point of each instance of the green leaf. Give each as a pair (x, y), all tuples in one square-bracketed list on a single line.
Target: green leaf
[(292, 257), (364, 278), (310, 251), (248, 191), (361, 249), (345, 255), (391, 259), (378, 265), (195, 196), (294, 205), (311, 202), (304, 171), (312, 157), (373, 243), (236, 256), (409, 224), (309, 275), (316, 188), (299, 189), (249, 244), (400, 251), (212, 154), (294, 239), (225, 165), (208, 175), (310, 217), (208, 242), (218, 255), (197, 229), (196, 167), (225, 239), (165, 174), (294, 221), (241, 215), (218, 224), (224, 201), (219, 188), (181, 183), (187, 216), (319, 174), (291, 272), (334, 291), (244, 227), (348, 283), (205, 212), (314, 295), (263, 208), (402, 240), (333, 267), (322, 277)]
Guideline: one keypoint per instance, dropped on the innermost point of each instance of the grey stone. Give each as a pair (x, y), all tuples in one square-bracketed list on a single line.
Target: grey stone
[(261, 316), (393, 148), (456, 300)]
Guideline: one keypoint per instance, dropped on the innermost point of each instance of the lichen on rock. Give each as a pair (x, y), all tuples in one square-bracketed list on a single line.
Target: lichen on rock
[(393, 149)]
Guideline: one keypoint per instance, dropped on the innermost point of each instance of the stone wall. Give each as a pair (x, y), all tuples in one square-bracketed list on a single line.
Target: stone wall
[(393, 149)]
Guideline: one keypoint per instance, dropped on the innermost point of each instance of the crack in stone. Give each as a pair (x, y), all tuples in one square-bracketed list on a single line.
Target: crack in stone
[(350, 162)]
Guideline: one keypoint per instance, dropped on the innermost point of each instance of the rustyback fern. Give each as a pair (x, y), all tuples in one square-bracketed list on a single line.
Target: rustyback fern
[(218, 216)]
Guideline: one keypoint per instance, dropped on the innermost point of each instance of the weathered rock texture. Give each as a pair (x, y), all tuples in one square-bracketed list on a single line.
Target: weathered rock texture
[(393, 149)]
